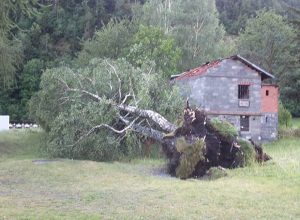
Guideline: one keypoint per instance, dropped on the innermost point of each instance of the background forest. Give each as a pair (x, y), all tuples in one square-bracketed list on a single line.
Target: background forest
[(170, 35)]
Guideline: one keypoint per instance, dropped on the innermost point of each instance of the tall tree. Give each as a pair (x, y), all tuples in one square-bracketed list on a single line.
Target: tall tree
[(290, 90), (234, 14), (108, 42), (150, 43), (194, 24), (10, 46), (269, 41)]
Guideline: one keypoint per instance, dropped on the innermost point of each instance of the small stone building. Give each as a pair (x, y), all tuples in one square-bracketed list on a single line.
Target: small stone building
[(234, 89)]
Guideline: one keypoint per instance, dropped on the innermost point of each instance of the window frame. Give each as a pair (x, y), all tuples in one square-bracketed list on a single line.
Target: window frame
[(243, 92), (244, 123)]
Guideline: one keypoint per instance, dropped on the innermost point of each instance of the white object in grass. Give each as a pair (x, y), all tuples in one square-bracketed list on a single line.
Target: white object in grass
[(4, 122)]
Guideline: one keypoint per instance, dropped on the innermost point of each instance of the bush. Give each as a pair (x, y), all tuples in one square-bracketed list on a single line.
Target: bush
[(284, 116)]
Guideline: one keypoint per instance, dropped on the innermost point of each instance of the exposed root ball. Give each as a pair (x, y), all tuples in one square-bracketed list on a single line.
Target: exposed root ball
[(200, 144)]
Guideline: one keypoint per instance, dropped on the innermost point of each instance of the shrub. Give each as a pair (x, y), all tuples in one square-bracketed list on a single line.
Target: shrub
[(284, 116)]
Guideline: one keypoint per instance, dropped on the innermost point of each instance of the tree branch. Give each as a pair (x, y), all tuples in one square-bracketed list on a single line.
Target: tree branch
[(162, 122), (149, 132), (119, 80), (93, 129)]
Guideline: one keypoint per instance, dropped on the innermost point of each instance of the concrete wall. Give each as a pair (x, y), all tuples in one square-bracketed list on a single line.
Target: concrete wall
[(217, 90), (269, 125), (4, 122), (254, 126), (269, 109)]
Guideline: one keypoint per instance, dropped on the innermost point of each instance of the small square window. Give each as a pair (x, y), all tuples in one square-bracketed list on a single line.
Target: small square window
[(267, 92), (243, 92)]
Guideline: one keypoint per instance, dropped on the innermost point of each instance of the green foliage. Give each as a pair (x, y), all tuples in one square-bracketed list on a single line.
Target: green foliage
[(134, 146), (10, 11), (193, 24), (269, 41), (109, 42), (191, 155), (139, 45), (284, 116), (70, 125), (224, 129), (290, 91), (11, 47), (68, 116), (150, 43), (248, 152), (29, 80), (234, 14), (290, 132), (51, 31), (11, 57)]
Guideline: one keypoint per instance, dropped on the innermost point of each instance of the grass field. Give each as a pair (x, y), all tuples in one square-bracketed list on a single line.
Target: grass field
[(296, 122), (69, 189)]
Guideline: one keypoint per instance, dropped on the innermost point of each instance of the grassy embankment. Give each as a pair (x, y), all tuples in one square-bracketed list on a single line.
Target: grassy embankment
[(69, 189)]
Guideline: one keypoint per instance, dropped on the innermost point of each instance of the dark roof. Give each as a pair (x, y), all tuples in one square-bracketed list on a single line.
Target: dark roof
[(203, 68)]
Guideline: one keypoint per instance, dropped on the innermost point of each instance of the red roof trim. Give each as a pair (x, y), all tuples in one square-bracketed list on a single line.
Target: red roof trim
[(203, 69), (199, 70), (272, 85)]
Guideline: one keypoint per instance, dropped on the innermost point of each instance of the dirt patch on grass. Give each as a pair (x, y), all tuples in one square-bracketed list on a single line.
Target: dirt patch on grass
[(161, 172), (39, 162)]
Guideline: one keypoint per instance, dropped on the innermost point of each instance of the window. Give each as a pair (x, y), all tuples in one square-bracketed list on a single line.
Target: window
[(267, 92), (244, 123), (243, 92)]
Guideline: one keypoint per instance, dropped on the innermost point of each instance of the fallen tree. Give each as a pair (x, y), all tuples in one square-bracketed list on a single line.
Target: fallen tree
[(89, 113)]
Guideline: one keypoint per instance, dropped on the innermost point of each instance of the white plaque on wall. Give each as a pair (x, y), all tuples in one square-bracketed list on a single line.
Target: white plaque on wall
[(244, 103)]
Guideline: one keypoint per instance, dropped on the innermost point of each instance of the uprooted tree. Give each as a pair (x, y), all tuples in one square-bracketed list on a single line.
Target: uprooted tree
[(93, 112)]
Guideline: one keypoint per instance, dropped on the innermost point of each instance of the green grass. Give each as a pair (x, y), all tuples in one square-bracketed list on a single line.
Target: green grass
[(18, 144), (71, 189), (296, 122)]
